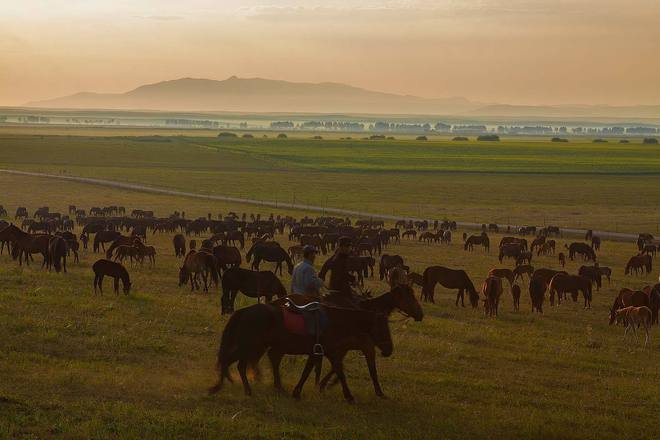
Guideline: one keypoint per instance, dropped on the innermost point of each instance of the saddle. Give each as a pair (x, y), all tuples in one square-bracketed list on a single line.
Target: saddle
[(306, 320)]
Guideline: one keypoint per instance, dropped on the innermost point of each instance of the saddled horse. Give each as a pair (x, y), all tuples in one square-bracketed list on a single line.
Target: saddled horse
[(253, 330), (451, 279), (254, 284), (196, 264), (401, 298)]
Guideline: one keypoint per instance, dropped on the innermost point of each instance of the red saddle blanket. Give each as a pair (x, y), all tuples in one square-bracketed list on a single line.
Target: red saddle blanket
[(294, 322)]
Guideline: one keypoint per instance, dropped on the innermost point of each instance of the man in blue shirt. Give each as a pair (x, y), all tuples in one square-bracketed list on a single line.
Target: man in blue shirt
[(304, 280)]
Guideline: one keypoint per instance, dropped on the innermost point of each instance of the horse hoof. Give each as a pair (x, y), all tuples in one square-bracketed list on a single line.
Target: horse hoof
[(350, 399)]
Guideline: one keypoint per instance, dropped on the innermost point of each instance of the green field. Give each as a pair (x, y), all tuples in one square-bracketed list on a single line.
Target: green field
[(78, 366), (607, 186)]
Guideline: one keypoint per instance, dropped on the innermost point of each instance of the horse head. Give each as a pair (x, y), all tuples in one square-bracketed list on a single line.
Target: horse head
[(405, 300)]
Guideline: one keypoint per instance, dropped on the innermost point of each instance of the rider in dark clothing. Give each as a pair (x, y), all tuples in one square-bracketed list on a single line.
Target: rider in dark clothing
[(340, 278)]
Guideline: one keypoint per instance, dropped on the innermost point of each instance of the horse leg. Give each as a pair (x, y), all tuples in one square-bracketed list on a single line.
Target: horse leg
[(370, 358), (338, 367), (309, 365), (242, 370), (101, 283), (275, 361), (96, 278), (116, 284)]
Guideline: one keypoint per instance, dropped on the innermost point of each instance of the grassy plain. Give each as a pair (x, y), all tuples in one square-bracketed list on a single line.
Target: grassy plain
[(78, 366), (518, 180)]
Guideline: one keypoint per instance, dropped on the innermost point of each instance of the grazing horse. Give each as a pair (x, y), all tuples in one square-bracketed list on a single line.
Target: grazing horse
[(627, 298), (649, 249), (513, 250), (105, 267), (593, 273), (103, 237), (473, 240), (451, 279), (122, 240), (562, 284), (514, 240), (179, 242), (272, 254), (515, 296), (562, 259), (547, 274), (255, 284), (253, 330), (547, 248), (411, 233), (639, 263), (227, 256), (507, 274), (523, 269), (124, 251), (581, 248), (537, 288), (635, 317), (388, 262), (196, 264), (57, 252), (492, 290), (24, 244)]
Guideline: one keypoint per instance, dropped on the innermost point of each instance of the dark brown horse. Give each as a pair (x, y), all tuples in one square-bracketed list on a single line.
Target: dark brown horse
[(515, 296), (512, 250), (179, 242), (400, 298), (562, 284), (627, 298), (506, 274), (227, 256), (24, 244), (537, 288), (451, 279), (547, 274), (115, 270), (639, 263), (253, 330), (103, 237), (583, 249), (388, 262), (477, 240), (255, 284), (274, 253), (492, 290), (593, 273), (198, 264), (57, 252), (520, 271)]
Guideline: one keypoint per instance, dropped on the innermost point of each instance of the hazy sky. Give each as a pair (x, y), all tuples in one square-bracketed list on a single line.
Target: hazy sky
[(516, 51)]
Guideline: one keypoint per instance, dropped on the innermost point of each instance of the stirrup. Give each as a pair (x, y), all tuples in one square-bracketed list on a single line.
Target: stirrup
[(317, 350)]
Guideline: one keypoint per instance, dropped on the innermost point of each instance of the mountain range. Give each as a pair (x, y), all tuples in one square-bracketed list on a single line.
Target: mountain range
[(266, 95)]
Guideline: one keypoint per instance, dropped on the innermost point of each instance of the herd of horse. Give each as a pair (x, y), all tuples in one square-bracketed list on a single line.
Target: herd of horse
[(212, 252)]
